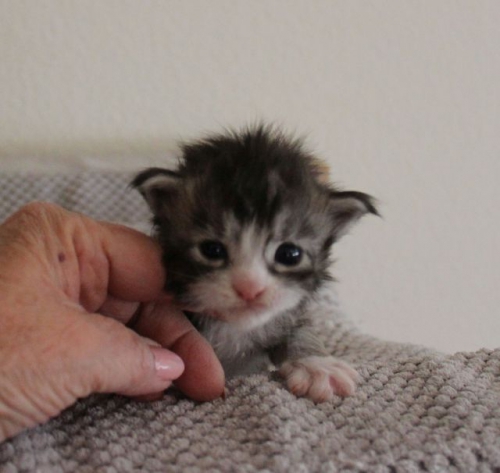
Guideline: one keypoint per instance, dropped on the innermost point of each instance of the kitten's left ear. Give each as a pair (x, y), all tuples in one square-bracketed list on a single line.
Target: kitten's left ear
[(347, 208)]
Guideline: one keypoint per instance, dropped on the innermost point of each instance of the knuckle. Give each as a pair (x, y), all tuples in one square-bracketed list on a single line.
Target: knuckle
[(37, 211), (32, 219)]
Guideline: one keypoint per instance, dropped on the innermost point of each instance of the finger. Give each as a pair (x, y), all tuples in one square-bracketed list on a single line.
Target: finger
[(203, 377), (85, 258), (125, 311), (118, 360), (119, 309), (136, 271)]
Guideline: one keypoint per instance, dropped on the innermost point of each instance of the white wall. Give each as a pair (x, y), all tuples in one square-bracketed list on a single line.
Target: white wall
[(402, 97)]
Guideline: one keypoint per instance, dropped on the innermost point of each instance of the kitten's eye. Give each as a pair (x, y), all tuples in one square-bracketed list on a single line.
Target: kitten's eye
[(288, 254), (213, 250)]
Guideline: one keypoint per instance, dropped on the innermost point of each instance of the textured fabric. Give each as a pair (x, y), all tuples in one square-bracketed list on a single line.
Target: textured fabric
[(415, 409), (103, 196)]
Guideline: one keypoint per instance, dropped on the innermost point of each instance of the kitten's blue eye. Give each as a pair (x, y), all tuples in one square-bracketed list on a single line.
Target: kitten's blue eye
[(213, 250), (288, 254)]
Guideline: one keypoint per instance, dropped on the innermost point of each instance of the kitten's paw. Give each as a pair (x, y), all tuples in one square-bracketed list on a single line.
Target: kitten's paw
[(319, 377)]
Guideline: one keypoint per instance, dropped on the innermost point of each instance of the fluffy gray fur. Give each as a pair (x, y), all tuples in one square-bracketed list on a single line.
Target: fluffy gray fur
[(246, 223)]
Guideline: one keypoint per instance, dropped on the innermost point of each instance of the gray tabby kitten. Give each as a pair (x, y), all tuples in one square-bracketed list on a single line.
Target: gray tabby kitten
[(246, 225)]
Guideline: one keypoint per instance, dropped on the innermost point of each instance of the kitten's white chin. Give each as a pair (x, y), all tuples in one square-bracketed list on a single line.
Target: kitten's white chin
[(237, 314), (247, 320)]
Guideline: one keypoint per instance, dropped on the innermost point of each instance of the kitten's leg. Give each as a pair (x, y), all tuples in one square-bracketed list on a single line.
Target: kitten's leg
[(309, 371)]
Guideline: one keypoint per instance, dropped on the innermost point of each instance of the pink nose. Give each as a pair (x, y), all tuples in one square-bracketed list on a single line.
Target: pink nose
[(248, 290)]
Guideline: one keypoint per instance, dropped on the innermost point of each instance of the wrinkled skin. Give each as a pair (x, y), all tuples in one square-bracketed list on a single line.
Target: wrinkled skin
[(68, 286)]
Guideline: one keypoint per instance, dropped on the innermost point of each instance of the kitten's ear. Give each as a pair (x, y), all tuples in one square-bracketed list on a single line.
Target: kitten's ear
[(157, 186), (347, 208)]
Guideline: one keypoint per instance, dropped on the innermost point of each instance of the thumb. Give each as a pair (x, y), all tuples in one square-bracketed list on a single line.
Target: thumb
[(126, 363)]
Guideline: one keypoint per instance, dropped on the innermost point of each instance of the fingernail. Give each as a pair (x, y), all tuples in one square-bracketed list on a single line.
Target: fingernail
[(168, 365)]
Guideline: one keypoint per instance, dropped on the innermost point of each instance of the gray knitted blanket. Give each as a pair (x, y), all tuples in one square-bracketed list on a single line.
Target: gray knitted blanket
[(415, 409)]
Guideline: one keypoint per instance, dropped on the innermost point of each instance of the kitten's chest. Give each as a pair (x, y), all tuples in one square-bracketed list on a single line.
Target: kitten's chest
[(231, 342)]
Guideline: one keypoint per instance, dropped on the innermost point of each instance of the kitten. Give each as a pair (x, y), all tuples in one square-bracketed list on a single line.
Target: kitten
[(246, 223)]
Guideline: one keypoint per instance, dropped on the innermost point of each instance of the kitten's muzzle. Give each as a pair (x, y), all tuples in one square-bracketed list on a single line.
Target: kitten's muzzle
[(249, 294), (249, 290)]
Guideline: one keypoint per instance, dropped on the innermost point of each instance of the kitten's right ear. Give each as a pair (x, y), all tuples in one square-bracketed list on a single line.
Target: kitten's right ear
[(157, 186)]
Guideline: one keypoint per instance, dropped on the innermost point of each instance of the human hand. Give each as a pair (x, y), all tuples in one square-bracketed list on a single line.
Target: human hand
[(68, 286)]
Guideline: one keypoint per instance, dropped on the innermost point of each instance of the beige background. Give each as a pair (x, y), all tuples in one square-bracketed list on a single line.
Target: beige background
[(401, 97)]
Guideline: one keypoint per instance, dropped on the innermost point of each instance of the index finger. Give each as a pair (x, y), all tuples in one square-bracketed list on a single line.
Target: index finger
[(136, 272), (203, 377)]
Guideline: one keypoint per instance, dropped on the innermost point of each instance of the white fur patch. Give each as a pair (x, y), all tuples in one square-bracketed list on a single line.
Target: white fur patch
[(319, 377)]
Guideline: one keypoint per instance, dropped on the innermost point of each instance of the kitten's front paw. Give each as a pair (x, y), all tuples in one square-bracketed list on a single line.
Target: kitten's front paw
[(319, 377)]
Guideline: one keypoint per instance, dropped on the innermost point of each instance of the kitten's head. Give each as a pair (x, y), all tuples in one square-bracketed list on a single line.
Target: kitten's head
[(246, 224)]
